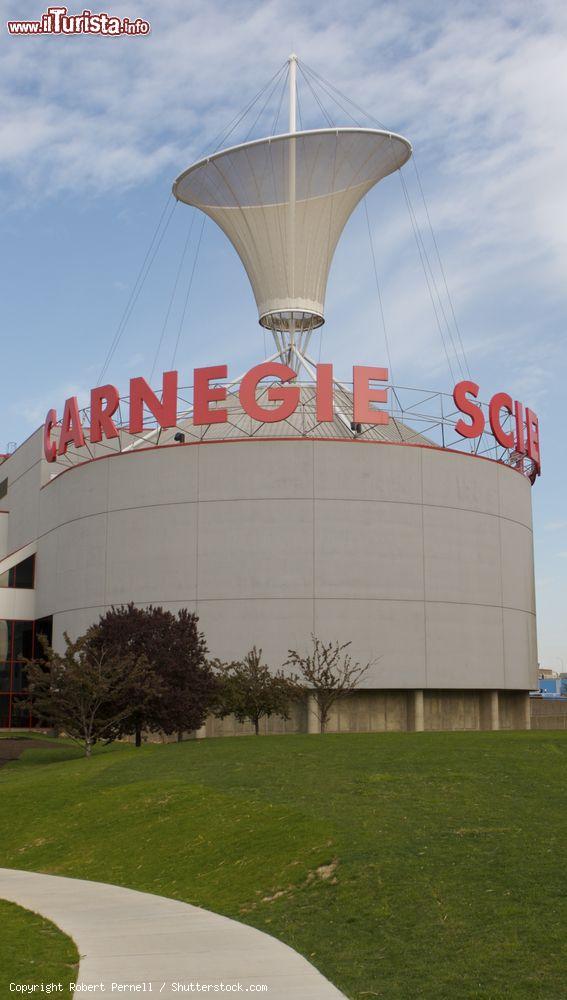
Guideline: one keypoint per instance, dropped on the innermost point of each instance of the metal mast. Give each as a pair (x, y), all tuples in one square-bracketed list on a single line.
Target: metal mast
[(292, 189)]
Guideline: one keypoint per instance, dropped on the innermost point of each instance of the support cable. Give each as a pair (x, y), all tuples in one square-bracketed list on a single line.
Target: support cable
[(263, 108), (422, 257), (222, 136), (325, 114), (326, 83), (427, 265), (380, 304), (149, 258), (182, 320), (173, 292), (299, 108), (158, 235), (441, 268), (431, 280), (282, 95)]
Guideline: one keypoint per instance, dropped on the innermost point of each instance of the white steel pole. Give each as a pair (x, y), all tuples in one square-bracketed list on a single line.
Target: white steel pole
[(292, 180), (292, 91)]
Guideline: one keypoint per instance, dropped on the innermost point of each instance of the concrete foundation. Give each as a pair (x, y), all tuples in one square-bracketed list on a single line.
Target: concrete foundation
[(368, 711), (548, 713)]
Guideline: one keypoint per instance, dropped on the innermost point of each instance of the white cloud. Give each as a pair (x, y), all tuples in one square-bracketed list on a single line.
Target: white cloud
[(480, 91)]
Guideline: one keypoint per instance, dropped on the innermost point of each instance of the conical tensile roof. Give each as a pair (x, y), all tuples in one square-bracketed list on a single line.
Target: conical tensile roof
[(283, 202)]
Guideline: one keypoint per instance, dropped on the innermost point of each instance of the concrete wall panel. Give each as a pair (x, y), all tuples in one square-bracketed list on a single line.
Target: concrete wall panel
[(46, 574), (518, 585), (75, 623), (152, 554), (17, 604), (391, 633), (24, 501), (79, 578), (255, 548), (359, 470), (3, 533), (463, 481), (515, 496), (275, 626), (462, 556), (464, 645), (23, 470), (75, 494), (231, 471), (520, 649), (156, 476), (368, 549)]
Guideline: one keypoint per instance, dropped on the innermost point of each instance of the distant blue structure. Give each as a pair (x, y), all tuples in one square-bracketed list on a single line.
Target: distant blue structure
[(553, 687)]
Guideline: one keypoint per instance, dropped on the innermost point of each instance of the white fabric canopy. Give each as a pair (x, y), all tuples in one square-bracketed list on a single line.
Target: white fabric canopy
[(283, 202)]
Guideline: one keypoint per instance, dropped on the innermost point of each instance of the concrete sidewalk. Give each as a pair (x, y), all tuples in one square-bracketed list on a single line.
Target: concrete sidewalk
[(128, 938)]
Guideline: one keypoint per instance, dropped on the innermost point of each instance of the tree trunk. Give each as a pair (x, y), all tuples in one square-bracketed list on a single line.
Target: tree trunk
[(257, 726), (138, 735), (88, 748), (180, 736)]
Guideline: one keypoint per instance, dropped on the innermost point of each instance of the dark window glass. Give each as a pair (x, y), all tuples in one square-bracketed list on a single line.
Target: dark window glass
[(5, 640), (19, 677), (22, 575), (4, 709), (43, 626), (3, 488), (23, 640), (5, 670)]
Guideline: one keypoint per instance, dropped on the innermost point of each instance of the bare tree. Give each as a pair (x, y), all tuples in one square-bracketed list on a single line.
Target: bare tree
[(249, 691), (327, 672)]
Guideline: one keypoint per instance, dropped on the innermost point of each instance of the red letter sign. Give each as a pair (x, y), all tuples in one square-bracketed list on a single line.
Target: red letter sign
[(49, 446), (101, 416), (324, 394), (501, 401), (532, 427), (520, 434), (203, 395), (164, 412), (289, 395), (476, 426), (71, 428), (364, 395)]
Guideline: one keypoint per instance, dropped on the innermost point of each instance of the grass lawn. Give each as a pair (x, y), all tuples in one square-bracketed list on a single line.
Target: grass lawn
[(402, 865), (33, 951)]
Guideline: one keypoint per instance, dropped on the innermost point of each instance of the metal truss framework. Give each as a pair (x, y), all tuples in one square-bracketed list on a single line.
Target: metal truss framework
[(417, 417)]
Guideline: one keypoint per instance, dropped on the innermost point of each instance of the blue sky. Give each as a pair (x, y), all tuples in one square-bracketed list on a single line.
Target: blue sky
[(94, 130)]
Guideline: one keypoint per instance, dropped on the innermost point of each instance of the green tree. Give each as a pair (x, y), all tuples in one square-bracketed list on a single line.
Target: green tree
[(85, 692), (328, 673), (251, 692)]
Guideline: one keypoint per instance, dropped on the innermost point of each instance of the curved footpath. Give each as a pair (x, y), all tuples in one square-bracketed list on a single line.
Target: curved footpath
[(130, 938)]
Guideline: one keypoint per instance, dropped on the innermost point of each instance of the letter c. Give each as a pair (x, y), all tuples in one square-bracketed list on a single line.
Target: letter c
[(49, 446)]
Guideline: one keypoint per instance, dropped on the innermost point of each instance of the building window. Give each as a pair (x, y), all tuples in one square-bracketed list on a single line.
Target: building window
[(3, 488), (21, 576), (19, 641)]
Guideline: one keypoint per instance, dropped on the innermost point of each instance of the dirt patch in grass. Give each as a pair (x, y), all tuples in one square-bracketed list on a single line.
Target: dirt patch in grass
[(11, 749)]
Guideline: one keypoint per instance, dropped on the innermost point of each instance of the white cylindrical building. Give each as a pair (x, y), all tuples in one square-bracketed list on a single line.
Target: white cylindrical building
[(421, 557)]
